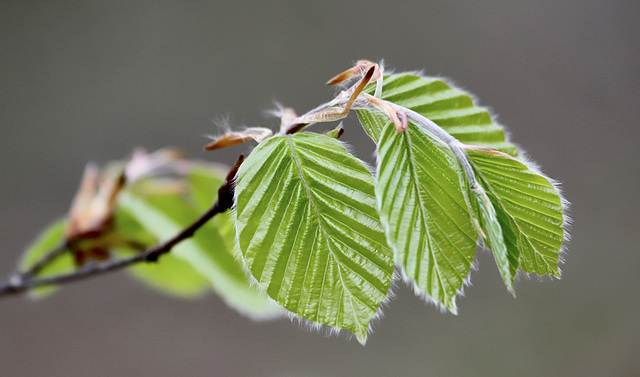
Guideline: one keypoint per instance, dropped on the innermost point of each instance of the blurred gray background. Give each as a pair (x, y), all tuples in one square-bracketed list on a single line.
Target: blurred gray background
[(83, 81)]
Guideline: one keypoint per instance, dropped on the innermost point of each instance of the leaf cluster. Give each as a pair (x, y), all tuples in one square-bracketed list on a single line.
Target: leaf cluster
[(314, 232)]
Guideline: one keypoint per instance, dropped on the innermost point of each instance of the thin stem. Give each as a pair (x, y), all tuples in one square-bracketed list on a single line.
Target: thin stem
[(22, 282)]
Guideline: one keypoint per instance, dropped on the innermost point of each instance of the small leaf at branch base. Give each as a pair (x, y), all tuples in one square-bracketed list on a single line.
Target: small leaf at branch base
[(206, 252), (310, 233), (49, 239), (172, 275)]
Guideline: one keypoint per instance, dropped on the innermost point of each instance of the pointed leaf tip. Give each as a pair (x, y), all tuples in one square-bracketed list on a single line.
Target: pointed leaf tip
[(309, 231)]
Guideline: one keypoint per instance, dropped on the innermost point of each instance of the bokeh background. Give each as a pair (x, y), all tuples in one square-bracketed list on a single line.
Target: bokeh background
[(83, 80)]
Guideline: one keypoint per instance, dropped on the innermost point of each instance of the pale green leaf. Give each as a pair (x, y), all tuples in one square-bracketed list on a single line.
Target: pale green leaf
[(310, 233), (206, 252), (49, 239), (527, 204), (172, 275), (425, 212), (450, 108), (204, 181), (494, 238)]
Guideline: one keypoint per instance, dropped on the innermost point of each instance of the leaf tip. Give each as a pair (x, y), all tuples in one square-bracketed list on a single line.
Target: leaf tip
[(362, 338)]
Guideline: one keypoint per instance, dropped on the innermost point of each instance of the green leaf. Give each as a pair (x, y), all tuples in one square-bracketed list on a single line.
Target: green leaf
[(492, 221), (519, 217), (49, 239), (450, 108), (206, 252), (528, 206), (204, 181), (310, 233), (172, 275), (425, 212)]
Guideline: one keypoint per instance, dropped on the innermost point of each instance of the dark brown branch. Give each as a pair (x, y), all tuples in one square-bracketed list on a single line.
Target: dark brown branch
[(22, 282)]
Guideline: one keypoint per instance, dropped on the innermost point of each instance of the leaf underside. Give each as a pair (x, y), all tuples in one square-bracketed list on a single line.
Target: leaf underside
[(310, 233), (424, 211)]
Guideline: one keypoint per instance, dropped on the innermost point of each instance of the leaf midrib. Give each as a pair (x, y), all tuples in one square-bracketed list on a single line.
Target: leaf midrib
[(295, 159), (412, 171)]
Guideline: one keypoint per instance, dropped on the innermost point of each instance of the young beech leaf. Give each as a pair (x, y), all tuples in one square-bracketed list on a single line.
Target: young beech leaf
[(450, 108), (49, 239), (173, 276), (528, 207), (164, 216), (517, 211), (204, 181), (492, 232), (310, 233), (424, 211)]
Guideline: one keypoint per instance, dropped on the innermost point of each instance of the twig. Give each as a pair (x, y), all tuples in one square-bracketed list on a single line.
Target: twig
[(22, 282)]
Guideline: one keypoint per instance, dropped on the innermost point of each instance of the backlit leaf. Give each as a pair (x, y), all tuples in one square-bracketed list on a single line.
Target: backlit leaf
[(49, 239), (172, 275), (528, 205), (425, 212), (310, 233), (450, 108), (493, 234), (206, 252)]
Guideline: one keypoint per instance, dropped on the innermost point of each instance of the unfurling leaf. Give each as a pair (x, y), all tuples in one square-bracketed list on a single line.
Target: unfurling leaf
[(310, 233), (492, 231)]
